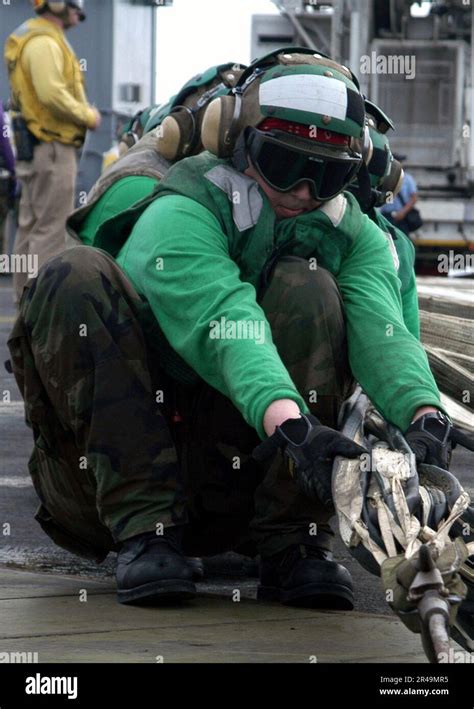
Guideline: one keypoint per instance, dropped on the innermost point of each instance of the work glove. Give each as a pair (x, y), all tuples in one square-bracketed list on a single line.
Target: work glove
[(432, 438), (310, 449)]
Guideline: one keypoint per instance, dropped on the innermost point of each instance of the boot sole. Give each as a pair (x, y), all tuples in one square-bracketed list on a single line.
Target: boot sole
[(320, 595), (158, 593)]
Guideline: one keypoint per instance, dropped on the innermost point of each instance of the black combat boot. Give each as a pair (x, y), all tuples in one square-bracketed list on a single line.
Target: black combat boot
[(306, 576), (151, 569)]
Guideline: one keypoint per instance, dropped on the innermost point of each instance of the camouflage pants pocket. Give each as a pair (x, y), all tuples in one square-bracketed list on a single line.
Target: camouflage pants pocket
[(68, 512)]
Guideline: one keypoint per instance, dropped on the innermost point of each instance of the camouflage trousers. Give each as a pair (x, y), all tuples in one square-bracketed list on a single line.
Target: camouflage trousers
[(121, 447)]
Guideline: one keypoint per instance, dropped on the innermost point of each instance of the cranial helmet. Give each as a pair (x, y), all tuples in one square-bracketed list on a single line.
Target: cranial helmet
[(297, 116), (57, 7), (381, 178), (386, 173), (179, 122)]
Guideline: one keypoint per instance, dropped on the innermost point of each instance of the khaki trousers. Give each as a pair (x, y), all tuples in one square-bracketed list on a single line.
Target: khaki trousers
[(48, 185)]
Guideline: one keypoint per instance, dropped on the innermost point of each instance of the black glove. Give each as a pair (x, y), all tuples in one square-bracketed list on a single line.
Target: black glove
[(310, 449), (432, 438)]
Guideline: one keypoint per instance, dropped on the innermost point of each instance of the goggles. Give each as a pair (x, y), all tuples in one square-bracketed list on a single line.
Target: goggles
[(284, 160)]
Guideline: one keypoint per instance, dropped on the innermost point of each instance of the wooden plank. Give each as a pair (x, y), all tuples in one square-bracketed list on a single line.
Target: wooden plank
[(458, 284), (465, 361), (452, 379), (459, 415), (437, 303), (453, 293), (449, 296), (447, 332)]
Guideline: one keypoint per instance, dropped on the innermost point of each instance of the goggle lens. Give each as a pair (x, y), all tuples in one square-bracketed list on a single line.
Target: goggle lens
[(283, 167)]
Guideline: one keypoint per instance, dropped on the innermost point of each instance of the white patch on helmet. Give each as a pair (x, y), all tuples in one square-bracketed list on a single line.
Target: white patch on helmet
[(306, 92)]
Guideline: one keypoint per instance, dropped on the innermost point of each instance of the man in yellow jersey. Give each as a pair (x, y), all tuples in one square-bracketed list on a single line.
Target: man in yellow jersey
[(52, 118)]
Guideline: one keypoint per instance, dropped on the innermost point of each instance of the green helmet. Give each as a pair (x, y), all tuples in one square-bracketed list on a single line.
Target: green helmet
[(379, 165), (382, 177), (58, 7), (313, 95), (297, 116), (156, 115), (178, 123), (386, 173), (215, 81)]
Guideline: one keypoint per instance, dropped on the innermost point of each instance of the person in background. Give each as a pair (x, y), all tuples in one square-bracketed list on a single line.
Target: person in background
[(51, 118), (397, 211)]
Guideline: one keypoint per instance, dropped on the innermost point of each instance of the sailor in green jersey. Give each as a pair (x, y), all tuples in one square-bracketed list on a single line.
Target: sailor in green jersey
[(171, 130), (377, 183), (233, 308)]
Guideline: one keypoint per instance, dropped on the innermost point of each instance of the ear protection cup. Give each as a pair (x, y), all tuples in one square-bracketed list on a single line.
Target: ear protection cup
[(176, 134), (178, 124), (220, 124), (392, 184), (364, 146), (57, 7), (398, 186)]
